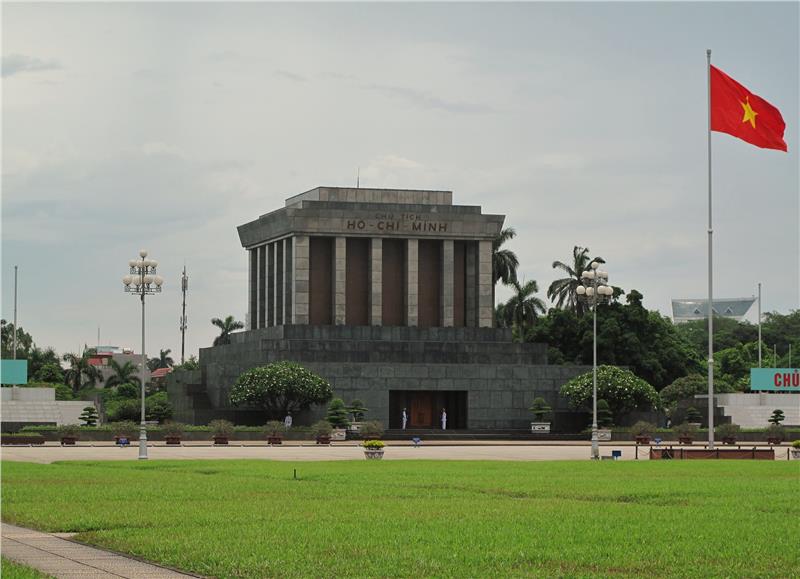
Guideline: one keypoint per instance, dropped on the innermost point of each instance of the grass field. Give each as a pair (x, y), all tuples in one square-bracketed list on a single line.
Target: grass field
[(11, 570), (421, 519)]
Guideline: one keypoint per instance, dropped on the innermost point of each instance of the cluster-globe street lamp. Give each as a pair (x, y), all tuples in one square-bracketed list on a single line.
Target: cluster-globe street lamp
[(594, 290), (143, 281)]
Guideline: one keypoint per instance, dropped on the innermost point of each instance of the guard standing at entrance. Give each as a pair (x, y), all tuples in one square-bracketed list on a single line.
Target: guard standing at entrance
[(405, 418), (444, 419)]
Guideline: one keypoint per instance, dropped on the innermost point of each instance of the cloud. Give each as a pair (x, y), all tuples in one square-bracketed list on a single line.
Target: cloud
[(19, 63), (429, 101), (290, 76)]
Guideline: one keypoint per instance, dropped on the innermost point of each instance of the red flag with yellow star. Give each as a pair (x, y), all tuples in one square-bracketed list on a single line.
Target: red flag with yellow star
[(737, 111)]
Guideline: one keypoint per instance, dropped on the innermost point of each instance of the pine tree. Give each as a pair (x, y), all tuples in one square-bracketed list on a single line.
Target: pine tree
[(89, 416), (337, 414), (777, 416)]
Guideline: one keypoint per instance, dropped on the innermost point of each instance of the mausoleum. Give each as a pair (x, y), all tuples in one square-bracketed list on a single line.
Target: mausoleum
[(388, 294)]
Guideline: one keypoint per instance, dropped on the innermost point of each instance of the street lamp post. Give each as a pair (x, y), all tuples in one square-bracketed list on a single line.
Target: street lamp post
[(143, 281), (594, 290)]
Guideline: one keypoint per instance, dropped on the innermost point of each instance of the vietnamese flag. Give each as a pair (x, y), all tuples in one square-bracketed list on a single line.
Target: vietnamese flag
[(737, 111)]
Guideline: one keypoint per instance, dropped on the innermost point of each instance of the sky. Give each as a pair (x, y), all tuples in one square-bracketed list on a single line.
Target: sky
[(164, 126)]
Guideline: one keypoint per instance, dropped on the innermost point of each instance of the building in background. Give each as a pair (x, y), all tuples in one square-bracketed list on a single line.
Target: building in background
[(103, 355), (37, 406), (685, 310)]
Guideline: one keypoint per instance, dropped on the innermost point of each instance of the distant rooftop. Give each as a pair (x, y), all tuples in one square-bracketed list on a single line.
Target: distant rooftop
[(363, 195), (684, 310)]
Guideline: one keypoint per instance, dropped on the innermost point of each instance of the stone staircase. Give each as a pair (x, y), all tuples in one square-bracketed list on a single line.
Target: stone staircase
[(754, 410)]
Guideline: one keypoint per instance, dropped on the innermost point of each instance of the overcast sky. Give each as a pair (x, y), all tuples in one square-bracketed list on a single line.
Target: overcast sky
[(165, 126)]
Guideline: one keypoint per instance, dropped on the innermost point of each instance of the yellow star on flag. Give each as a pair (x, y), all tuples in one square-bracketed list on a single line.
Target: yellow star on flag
[(749, 113)]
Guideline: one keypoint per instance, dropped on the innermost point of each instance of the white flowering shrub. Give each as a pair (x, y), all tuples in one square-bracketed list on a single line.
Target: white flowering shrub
[(280, 388), (622, 389)]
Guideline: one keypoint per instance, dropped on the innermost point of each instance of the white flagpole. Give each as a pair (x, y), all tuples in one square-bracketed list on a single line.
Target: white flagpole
[(710, 276)]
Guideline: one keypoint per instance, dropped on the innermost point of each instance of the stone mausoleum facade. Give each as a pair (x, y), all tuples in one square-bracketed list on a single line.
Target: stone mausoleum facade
[(387, 294)]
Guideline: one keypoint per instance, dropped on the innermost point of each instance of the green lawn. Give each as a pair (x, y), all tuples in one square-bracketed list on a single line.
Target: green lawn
[(425, 518), (11, 570)]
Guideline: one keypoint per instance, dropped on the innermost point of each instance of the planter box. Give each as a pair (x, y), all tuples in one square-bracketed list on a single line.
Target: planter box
[(685, 439), (728, 440), (323, 440), (373, 453), (540, 427), (603, 434), (796, 453), (717, 453), (775, 440), (173, 440), (339, 434), (68, 440), (11, 440), (274, 440), (220, 440), (642, 440)]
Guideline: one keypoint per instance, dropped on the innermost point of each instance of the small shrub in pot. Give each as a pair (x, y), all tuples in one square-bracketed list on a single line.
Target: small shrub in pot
[(775, 434), (373, 449), (221, 430), (173, 431), (274, 430), (642, 430), (124, 429), (728, 432), (372, 430), (69, 433), (322, 431), (686, 432)]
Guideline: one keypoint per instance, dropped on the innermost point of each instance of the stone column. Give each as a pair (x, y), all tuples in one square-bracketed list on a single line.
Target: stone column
[(471, 291), (412, 282), (339, 281), (447, 283), (262, 288), (485, 305), (251, 290), (376, 281), (288, 280), (270, 249), (300, 258)]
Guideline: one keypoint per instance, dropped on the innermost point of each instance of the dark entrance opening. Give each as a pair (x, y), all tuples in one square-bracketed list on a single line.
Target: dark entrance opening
[(424, 408)]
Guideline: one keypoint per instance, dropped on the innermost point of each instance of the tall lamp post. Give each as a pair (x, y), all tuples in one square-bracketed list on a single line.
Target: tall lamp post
[(594, 290), (143, 281)]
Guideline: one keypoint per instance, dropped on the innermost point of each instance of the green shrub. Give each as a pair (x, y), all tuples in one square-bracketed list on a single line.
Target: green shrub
[(776, 431), (274, 428), (604, 417), (357, 410), (729, 430), (322, 428), (157, 407), (686, 430), (89, 416), (796, 444), (373, 444), (13, 435), (643, 428), (371, 429), (126, 428), (540, 409), (128, 390), (221, 428), (69, 430), (777, 416), (337, 414), (173, 429), (693, 415)]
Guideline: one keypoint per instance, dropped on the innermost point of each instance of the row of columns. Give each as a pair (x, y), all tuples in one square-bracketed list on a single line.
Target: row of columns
[(279, 276)]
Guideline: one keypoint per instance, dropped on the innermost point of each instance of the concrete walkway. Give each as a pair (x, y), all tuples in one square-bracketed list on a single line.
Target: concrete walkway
[(66, 559)]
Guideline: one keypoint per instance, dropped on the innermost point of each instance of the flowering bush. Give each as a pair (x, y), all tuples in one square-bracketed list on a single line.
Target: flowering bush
[(622, 389), (373, 444), (280, 389)]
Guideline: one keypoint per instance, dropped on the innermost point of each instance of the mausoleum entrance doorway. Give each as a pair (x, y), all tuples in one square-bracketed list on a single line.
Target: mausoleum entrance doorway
[(424, 408)]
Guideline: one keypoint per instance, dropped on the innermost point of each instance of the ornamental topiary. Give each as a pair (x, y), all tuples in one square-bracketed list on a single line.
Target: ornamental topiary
[(604, 416), (622, 389), (281, 388), (693, 415), (89, 416), (540, 409), (777, 416), (357, 409), (337, 414)]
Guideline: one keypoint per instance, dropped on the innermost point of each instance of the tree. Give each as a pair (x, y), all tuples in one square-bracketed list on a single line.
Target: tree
[(80, 372), (337, 414), (540, 409), (24, 341), (128, 390), (604, 417), (523, 309), (157, 407), (562, 291), (280, 388), (777, 416), (50, 372), (163, 361), (226, 326), (622, 389), (123, 374), (504, 261), (190, 364), (89, 416), (357, 409)]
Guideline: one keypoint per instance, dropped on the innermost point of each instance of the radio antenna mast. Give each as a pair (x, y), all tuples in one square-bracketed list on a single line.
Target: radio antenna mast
[(358, 178), (184, 287)]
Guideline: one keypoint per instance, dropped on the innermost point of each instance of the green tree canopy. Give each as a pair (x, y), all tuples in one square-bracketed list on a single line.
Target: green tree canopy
[(280, 388), (80, 372), (226, 327), (622, 389), (123, 373), (504, 261)]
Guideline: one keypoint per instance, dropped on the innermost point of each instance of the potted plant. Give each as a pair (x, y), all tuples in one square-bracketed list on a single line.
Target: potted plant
[(642, 431), (693, 416), (322, 431), (221, 430), (796, 449), (357, 410), (337, 416), (274, 430), (371, 430), (605, 420), (125, 429), (173, 431), (775, 434), (541, 415), (728, 432), (686, 433), (69, 433), (373, 449)]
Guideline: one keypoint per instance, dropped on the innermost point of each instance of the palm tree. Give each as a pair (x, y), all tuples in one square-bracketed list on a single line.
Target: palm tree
[(524, 308), (79, 367), (226, 326), (123, 374), (562, 291), (504, 261), (163, 361)]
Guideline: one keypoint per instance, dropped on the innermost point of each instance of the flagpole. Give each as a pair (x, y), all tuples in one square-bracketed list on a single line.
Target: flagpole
[(710, 275)]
